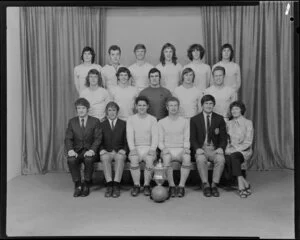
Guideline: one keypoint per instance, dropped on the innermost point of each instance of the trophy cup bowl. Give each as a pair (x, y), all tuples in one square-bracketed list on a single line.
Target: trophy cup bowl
[(159, 193)]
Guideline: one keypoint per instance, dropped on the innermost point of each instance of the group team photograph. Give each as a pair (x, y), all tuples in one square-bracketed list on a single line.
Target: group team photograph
[(143, 121)]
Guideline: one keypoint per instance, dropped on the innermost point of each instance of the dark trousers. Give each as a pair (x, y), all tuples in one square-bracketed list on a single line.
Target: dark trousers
[(75, 164), (233, 165)]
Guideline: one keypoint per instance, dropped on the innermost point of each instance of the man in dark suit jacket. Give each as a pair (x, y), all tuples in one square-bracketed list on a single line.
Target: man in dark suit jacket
[(113, 147), (82, 141), (208, 141)]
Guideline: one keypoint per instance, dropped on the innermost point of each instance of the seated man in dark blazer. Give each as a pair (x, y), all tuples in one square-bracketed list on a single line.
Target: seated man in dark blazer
[(208, 141), (113, 147), (82, 141)]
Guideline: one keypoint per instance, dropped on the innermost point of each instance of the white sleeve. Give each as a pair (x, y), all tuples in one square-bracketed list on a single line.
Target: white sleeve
[(130, 134), (186, 143), (238, 78), (161, 137), (76, 79), (154, 134)]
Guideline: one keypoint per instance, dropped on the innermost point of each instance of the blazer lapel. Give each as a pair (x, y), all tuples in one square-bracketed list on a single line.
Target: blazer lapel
[(87, 125), (202, 124), (212, 124)]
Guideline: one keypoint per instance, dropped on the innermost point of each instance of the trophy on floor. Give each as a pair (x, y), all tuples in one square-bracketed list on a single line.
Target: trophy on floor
[(159, 193)]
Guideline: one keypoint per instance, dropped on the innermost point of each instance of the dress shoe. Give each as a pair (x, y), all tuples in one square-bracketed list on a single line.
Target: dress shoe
[(147, 190), (248, 190), (206, 190), (85, 189), (172, 191), (109, 191), (180, 192), (116, 190), (135, 190), (215, 192), (77, 191)]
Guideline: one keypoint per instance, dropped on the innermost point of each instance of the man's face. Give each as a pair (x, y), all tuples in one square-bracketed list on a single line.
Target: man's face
[(93, 78), (140, 54), (123, 77), (188, 77), (154, 79), (208, 106), (112, 113), (168, 53), (218, 77), (172, 107), (82, 111), (226, 52), (196, 54), (142, 107), (115, 56), (87, 56)]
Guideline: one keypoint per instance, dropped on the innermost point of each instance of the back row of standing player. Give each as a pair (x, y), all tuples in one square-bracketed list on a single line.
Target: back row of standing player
[(115, 82)]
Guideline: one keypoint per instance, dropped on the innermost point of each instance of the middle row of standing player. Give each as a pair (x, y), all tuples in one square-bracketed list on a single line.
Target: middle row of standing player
[(124, 94), (169, 67)]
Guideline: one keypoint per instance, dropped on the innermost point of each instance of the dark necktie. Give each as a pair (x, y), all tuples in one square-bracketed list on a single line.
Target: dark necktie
[(207, 128), (82, 123)]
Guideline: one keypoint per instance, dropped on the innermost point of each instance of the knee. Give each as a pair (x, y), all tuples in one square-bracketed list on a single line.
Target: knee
[(149, 161), (166, 158), (220, 159), (186, 160), (72, 160), (120, 157), (89, 160), (134, 160), (201, 159), (104, 157)]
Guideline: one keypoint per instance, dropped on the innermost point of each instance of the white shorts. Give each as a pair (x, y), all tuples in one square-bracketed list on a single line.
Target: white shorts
[(112, 155), (142, 152), (176, 154)]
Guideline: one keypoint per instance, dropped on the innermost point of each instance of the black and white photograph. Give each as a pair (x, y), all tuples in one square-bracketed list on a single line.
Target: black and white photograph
[(135, 119)]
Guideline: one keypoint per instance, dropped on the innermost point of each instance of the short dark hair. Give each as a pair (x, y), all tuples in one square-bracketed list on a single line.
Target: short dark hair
[(195, 47), (172, 99), (82, 102), (121, 70), (88, 49), (141, 98), (154, 70), (139, 46), (207, 98), (162, 58), (112, 105), (216, 68), (187, 70), (114, 48), (227, 45), (239, 104), (96, 72)]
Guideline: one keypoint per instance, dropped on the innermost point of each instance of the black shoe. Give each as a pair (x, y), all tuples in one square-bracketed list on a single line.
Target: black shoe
[(147, 190), (116, 190), (180, 192), (109, 190), (206, 190), (172, 191), (135, 190), (85, 189), (215, 192), (77, 190)]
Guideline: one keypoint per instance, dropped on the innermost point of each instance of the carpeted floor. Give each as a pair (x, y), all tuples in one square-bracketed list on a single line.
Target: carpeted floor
[(43, 205)]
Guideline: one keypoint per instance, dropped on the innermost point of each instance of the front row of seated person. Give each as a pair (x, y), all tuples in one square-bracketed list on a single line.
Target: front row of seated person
[(204, 136)]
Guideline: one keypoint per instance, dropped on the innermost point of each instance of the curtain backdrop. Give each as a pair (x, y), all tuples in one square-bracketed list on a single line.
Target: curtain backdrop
[(262, 39), (52, 39)]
